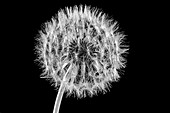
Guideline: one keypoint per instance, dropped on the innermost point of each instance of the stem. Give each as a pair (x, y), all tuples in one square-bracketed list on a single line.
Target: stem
[(60, 95), (58, 99)]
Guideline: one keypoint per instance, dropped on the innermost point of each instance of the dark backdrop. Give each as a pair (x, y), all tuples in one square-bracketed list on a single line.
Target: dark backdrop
[(23, 91)]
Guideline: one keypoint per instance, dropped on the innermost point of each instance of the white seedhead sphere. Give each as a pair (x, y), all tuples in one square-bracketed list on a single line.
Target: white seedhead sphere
[(80, 51)]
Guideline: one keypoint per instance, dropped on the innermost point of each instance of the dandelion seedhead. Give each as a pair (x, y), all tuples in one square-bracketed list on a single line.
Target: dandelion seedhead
[(80, 50)]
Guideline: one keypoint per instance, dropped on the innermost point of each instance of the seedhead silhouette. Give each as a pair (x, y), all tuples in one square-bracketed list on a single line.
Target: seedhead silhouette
[(80, 51)]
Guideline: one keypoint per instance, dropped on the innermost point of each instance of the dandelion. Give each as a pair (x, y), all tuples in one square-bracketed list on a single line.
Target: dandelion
[(80, 51)]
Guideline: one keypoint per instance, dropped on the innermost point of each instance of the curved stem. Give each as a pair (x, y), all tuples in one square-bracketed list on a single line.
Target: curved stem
[(58, 99)]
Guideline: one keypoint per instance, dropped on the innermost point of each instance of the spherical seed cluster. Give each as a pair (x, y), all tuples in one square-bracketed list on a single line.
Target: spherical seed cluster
[(81, 50)]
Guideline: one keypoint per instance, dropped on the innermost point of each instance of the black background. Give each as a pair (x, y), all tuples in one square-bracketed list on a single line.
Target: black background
[(23, 91)]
